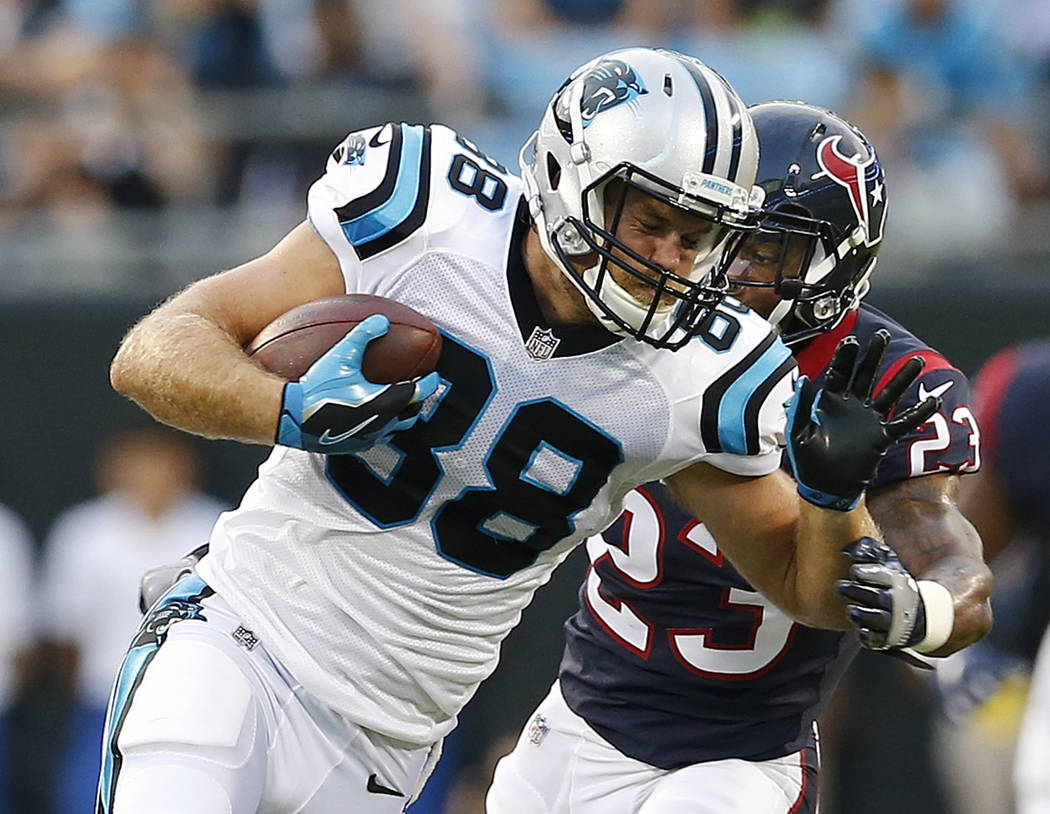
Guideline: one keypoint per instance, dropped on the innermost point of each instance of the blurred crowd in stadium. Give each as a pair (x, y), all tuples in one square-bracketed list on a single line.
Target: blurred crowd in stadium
[(154, 103), (112, 108)]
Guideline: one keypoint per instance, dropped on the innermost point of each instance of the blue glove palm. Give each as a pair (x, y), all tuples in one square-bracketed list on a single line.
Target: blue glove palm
[(334, 409)]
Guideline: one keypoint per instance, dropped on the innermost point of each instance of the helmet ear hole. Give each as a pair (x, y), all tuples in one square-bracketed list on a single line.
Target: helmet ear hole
[(553, 171)]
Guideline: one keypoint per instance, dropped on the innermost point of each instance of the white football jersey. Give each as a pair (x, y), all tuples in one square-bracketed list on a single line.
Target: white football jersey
[(384, 582)]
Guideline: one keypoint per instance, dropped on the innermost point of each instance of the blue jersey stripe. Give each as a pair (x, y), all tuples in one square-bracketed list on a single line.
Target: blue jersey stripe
[(190, 589), (732, 410), (390, 214)]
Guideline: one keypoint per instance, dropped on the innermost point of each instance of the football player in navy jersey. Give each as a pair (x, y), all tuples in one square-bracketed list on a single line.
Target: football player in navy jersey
[(683, 689)]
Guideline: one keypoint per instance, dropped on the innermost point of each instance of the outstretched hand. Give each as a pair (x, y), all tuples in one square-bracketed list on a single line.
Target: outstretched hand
[(334, 409), (838, 434)]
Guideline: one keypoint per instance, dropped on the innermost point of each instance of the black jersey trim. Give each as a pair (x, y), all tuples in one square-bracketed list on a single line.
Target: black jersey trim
[(381, 194), (415, 217), (758, 398), (574, 340), (713, 396)]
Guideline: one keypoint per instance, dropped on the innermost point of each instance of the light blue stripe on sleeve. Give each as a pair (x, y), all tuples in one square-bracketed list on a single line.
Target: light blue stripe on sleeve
[(732, 432), (392, 213)]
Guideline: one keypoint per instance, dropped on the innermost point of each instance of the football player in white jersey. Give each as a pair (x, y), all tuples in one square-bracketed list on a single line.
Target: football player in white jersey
[(351, 605), (707, 703)]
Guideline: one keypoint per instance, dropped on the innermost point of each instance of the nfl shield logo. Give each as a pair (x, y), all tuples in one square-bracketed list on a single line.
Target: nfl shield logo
[(542, 343)]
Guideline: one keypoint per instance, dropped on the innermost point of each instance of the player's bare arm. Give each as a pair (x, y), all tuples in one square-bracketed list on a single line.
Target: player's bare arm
[(837, 436), (184, 362), (920, 519), (786, 548)]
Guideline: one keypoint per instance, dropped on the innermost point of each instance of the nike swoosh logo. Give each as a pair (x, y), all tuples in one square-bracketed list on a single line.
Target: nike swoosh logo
[(374, 141), (939, 390), (375, 787), (327, 438)]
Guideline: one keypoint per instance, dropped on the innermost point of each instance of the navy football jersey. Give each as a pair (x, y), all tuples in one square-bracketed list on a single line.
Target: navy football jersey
[(674, 658)]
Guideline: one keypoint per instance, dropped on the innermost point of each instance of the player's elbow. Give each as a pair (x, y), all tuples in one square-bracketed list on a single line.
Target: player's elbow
[(123, 374), (973, 611), (131, 373), (970, 584)]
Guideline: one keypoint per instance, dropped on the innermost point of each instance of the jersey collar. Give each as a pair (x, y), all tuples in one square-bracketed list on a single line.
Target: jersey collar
[(573, 340), (815, 355)]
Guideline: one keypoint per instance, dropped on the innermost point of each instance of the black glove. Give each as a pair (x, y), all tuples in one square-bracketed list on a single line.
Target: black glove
[(156, 581), (885, 602), (837, 435)]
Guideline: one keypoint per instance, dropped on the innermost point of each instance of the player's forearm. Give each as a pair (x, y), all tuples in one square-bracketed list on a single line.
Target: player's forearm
[(186, 371), (820, 536), (970, 584), (935, 542)]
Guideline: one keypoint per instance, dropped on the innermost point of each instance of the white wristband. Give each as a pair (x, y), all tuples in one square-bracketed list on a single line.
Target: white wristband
[(940, 615)]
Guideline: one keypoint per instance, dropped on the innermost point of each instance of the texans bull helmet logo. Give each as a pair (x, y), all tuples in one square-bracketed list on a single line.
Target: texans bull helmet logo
[(859, 175)]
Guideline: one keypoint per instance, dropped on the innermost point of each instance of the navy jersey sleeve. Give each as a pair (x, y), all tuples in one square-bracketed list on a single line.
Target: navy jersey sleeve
[(950, 440)]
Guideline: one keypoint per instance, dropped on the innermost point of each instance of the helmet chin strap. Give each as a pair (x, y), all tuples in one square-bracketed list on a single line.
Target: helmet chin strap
[(619, 301)]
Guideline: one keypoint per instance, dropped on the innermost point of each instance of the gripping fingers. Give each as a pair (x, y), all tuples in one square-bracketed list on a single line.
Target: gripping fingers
[(841, 366), (346, 356), (801, 403), (423, 389), (870, 618), (873, 639), (370, 328), (873, 574), (869, 365), (351, 347), (426, 387), (867, 549), (863, 595)]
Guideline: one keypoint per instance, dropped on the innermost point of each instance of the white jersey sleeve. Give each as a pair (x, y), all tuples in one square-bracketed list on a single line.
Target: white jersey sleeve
[(748, 376), (391, 193)]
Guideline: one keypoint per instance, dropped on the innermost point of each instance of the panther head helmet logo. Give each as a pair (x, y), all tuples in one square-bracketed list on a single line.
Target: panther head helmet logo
[(610, 83)]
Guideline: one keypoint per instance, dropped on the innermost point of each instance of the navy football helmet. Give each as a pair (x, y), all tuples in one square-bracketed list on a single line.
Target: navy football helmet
[(822, 222)]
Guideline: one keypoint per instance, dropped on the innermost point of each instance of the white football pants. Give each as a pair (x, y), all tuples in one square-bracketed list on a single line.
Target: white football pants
[(202, 720), (562, 766)]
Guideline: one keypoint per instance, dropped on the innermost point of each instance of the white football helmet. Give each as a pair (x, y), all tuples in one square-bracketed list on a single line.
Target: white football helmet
[(668, 125)]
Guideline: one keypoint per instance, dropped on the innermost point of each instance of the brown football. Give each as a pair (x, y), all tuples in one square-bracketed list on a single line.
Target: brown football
[(294, 341)]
